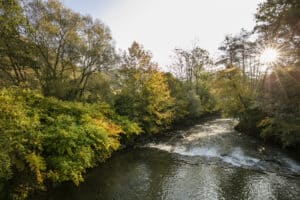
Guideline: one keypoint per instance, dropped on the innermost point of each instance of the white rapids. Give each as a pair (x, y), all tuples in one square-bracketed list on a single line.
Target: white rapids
[(217, 139)]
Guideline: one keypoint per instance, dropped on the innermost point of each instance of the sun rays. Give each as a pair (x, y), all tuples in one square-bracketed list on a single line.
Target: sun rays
[(269, 55)]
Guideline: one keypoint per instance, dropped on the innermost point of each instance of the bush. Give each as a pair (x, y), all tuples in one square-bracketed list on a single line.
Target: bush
[(285, 130), (47, 140), (249, 121)]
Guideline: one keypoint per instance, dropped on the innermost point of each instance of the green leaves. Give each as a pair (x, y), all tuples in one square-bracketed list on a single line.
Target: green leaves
[(37, 165), (144, 96), (274, 112), (45, 139), (233, 92), (44, 45)]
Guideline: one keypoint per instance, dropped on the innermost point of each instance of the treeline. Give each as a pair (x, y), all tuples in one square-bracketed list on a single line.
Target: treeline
[(264, 96), (68, 99)]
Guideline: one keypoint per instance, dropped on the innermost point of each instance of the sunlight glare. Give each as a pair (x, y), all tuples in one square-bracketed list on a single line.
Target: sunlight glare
[(269, 55)]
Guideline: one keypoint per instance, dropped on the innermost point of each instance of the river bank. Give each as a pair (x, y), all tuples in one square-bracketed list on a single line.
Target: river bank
[(210, 161)]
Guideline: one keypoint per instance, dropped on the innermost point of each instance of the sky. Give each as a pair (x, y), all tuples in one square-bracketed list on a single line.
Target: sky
[(163, 25)]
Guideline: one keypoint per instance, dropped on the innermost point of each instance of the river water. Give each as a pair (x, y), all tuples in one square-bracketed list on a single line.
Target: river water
[(207, 161)]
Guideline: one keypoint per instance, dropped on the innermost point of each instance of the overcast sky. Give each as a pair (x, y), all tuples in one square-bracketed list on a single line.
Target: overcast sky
[(162, 25)]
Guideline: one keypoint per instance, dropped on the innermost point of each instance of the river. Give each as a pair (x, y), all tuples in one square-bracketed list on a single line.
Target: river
[(208, 161)]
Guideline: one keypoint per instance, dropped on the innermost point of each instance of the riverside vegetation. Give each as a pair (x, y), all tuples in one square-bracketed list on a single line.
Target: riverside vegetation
[(68, 99)]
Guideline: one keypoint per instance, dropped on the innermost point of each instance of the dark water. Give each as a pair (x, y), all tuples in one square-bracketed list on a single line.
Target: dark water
[(209, 161)]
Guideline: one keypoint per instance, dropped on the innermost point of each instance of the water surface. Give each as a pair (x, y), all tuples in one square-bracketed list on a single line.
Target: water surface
[(208, 161)]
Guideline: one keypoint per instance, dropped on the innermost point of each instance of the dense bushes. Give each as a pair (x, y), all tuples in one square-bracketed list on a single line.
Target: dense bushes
[(283, 129), (271, 110), (47, 140), (280, 100)]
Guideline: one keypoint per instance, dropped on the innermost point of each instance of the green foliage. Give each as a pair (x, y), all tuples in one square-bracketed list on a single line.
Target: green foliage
[(16, 52), (99, 88), (274, 113), (285, 130), (63, 54), (45, 139), (191, 103), (191, 88), (278, 20), (233, 92), (281, 100), (194, 106), (249, 121), (144, 95), (47, 46), (178, 92), (204, 90)]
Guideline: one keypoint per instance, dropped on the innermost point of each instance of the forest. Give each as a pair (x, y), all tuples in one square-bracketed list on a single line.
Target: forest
[(69, 99)]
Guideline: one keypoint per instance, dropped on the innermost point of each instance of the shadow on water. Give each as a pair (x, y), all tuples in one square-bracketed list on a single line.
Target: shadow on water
[(208, 161)]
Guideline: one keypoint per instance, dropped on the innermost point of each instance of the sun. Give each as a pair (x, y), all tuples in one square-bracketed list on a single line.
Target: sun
[(269, 55)]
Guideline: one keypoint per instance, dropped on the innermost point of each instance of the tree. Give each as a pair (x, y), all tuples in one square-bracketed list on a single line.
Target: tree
[(239, 51), (178, 90), (278, 23), (279, 100), (44, 42), (16, 52), (96, 52), (69, 47), (229, 47), (189, 64), (144, 94), (190, 67), (233, 92)]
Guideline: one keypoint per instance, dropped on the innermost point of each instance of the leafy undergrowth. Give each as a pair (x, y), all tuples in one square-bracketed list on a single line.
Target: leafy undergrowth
[(46, 141)]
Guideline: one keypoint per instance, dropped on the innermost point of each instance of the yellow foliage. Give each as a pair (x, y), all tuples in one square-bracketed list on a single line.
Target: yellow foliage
[(37, 165)]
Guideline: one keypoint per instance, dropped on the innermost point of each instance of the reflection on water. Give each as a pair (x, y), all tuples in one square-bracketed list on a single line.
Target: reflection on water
[(209, 161)]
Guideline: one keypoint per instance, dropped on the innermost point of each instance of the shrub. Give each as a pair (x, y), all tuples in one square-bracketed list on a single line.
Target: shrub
[(48, 140)]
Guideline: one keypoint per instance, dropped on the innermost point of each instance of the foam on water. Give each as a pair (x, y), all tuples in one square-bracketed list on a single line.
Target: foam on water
[(205, 133), (212, 128), (293, 166), (235, 158), (217, 139), (198, 151), (164, 147)]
